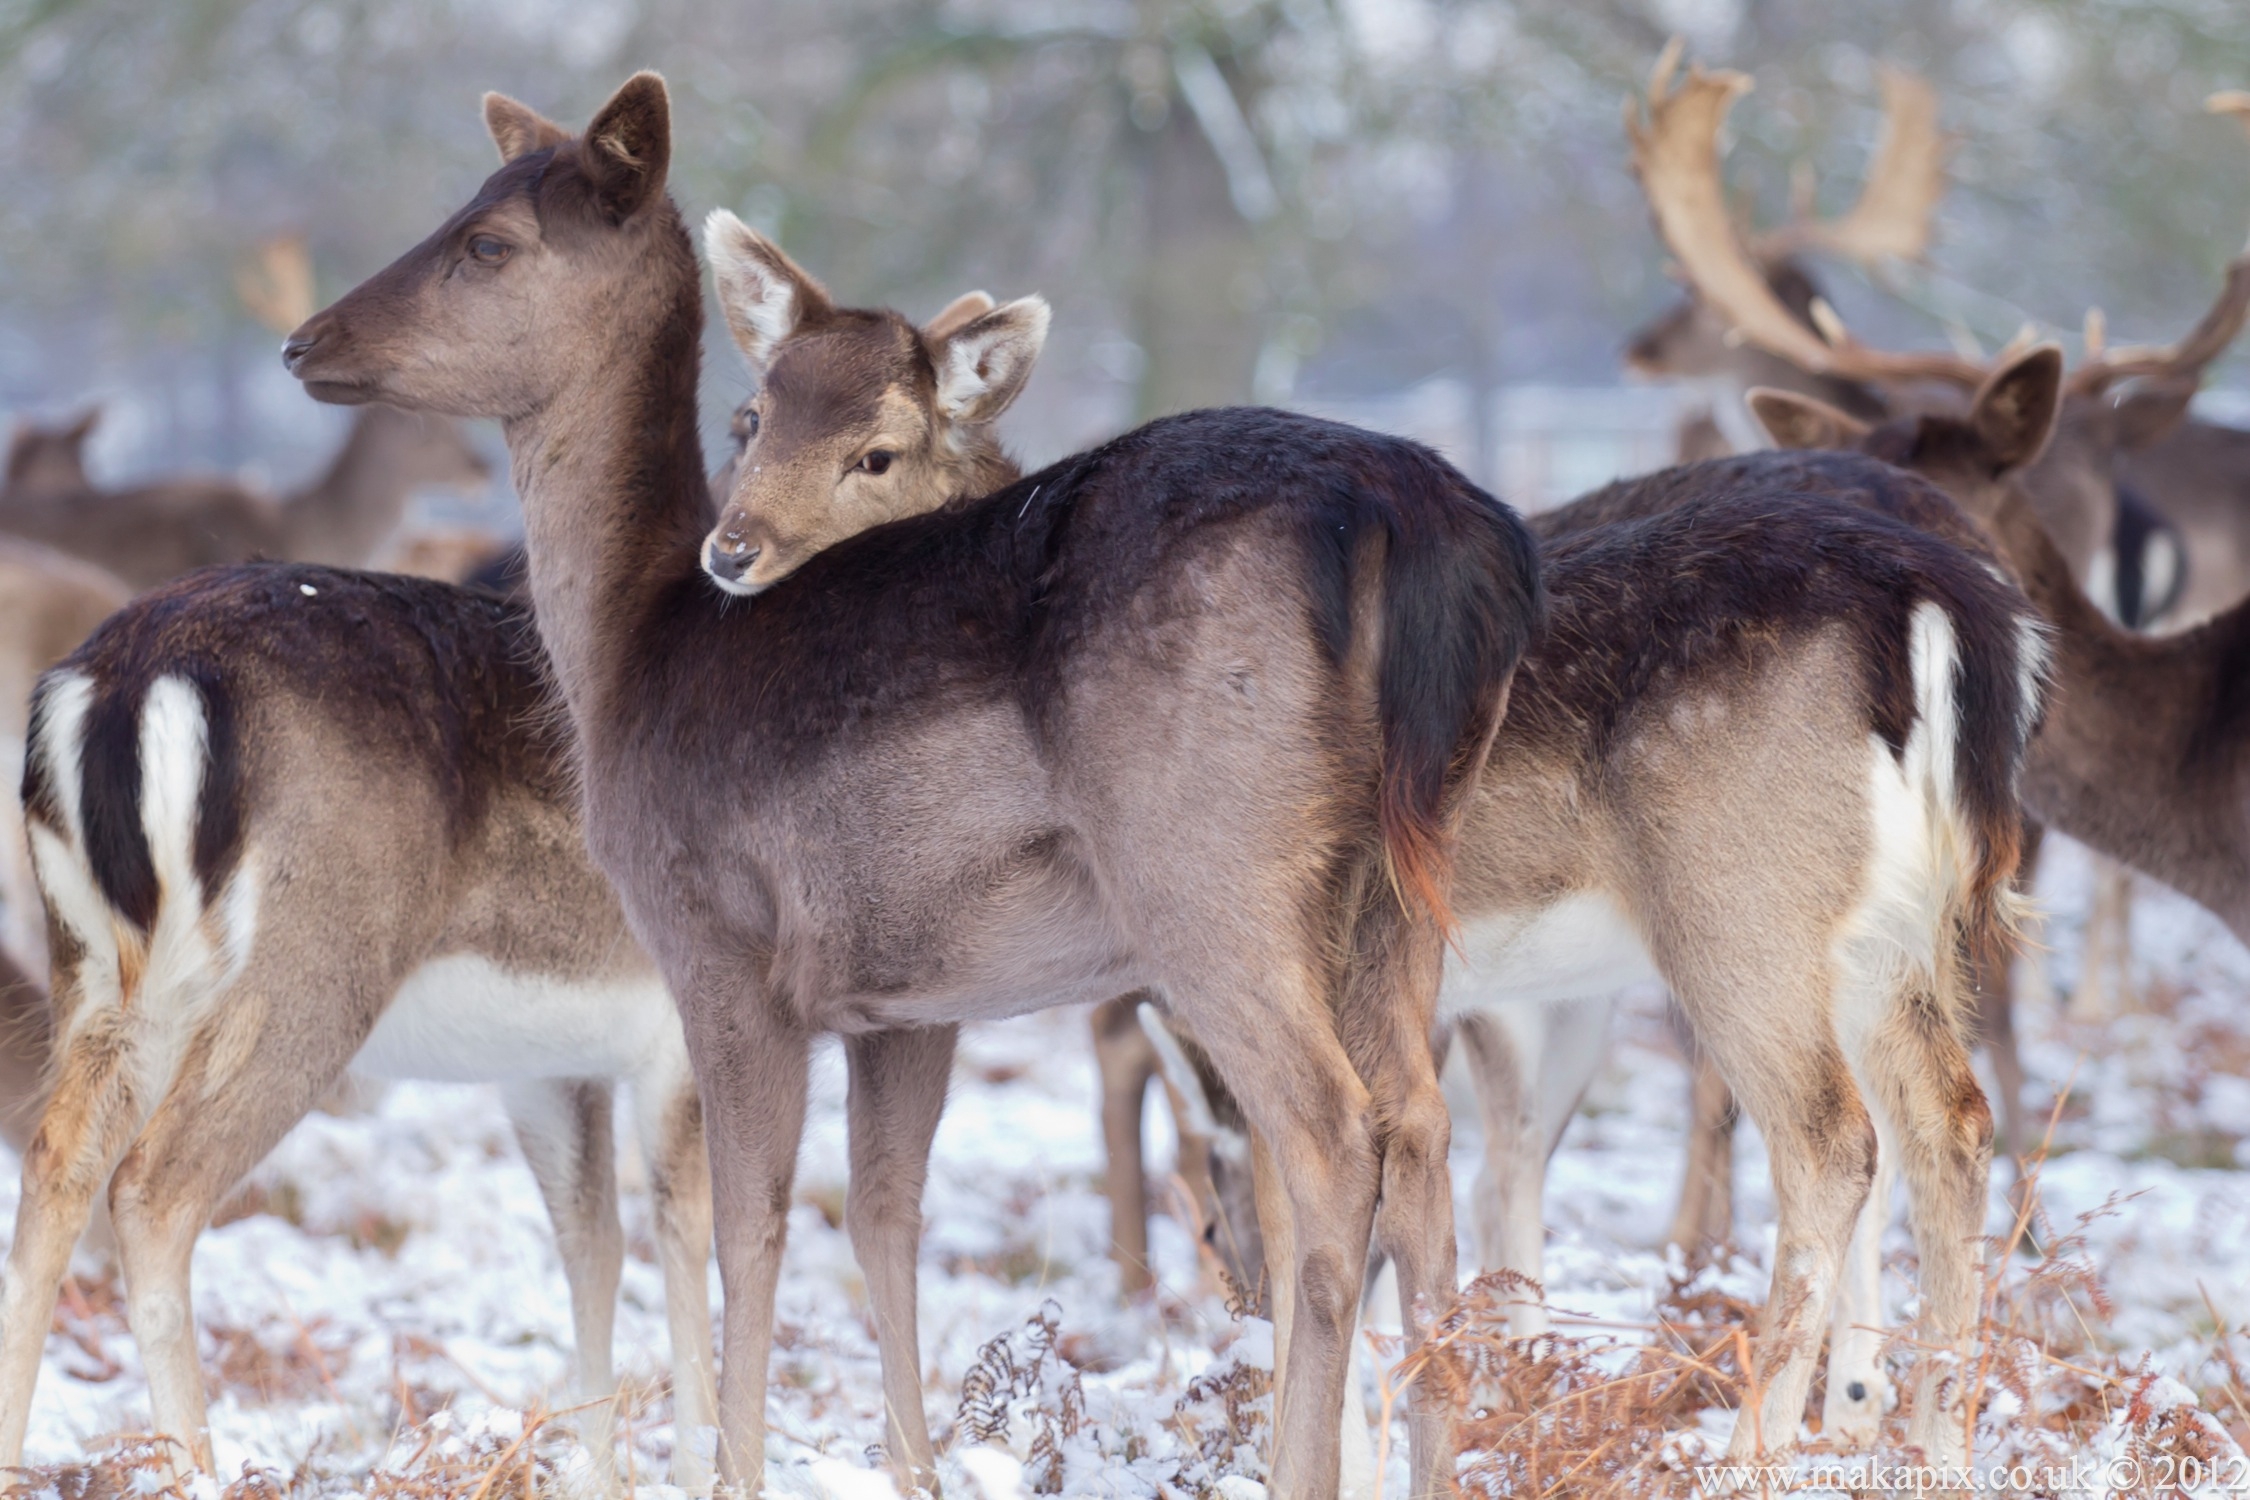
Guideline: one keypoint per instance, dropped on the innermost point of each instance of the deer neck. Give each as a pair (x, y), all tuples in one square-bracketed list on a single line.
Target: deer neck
[(615, 503), (343, 516)]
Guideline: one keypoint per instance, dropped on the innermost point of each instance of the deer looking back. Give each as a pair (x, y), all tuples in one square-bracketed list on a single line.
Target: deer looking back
[(1185, 713)]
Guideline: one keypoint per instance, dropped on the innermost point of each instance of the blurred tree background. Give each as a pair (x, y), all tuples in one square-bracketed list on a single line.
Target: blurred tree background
[(1224, 199)]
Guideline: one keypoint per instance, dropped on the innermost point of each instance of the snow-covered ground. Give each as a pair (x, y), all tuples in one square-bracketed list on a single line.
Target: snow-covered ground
[(390, 1293)]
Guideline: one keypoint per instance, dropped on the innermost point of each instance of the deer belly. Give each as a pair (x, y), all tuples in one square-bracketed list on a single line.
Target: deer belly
[(1579, 948), (465, 1019)]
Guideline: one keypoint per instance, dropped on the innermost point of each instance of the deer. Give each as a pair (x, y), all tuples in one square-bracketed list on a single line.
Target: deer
[(944, 795), (1628, 726), (2154, 378), (2145, 751), (44, 460), (2073, 481), (287, 820), (146, 534), (2132, 542)]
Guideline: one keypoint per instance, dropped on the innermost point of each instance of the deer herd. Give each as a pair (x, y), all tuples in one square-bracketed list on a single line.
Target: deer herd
[(1291, 752)]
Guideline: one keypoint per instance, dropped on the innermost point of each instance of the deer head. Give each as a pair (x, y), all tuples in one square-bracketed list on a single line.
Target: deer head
[(49, 460), (1889, 220), (552, 249), (1975, 457), (860, 417)]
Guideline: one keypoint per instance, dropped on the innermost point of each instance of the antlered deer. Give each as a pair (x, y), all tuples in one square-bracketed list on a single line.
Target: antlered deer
[(148, 533), (287, 819), (1700, 735), (1193, 712)]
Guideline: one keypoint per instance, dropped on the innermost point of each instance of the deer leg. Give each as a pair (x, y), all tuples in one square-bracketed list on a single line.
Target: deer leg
[(564, 1126), (89, 1119), (750, 1067), (1389, 1012), (1308, 1108), (1859, 1390), (897, 1096), (1780, 1053), (1919, 1077), (669, 1121), (1356, 1478), (246, 1077), (1511, 1232), (1126, 1061), (1704, 1220)]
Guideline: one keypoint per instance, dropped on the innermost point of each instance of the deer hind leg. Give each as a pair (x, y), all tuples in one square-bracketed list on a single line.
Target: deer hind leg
[(897, 1095), (1859, 1390), (670, 1126), (1531, 1065), (248, 1074), (89, 1119), (1769, 1030), (1310, 1114), (1126, 1060), (1388, 1015), (565, 1128), (1919, 1076), (1704, 1220)]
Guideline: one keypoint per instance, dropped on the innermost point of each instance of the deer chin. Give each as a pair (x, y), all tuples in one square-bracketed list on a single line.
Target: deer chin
[(342, 392)]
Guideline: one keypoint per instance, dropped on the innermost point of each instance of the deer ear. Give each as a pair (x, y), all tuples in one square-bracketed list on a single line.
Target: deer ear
[(2150, 412), (957, 315), (765, 295), (629, 145), (81, 429), (1796, 421), (2015, 413), (982, 367), (518, 129)]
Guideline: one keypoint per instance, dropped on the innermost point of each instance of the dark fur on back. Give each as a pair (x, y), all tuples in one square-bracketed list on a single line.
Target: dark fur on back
[(1671, 572), (444, 678), (995, 595)]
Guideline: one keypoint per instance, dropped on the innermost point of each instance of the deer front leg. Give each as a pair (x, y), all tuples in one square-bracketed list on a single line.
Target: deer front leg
[(897, 1095), (1126, 1061), (564, 1126), (670, 1120), (750, 1063)]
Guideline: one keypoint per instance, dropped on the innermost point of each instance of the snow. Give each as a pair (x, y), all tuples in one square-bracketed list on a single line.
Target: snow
[(399, 1263)]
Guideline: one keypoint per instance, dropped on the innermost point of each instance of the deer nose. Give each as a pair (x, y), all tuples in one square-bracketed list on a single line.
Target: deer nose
[(295, 347), (729, 562)]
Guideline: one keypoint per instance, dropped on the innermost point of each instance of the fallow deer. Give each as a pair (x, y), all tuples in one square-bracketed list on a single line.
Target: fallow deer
[(148, 533), (1193, 712), (2168, 546), (2072, 483), (1699, 735), (2145, 751), (47, 460), (289, 819)]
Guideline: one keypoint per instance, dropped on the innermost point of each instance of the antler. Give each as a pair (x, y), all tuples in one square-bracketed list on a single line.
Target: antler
[(2182, 363), (1676, 156), (275, 282), (1904, 182)]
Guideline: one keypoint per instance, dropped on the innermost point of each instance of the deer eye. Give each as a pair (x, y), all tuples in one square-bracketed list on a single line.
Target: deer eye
[(875, 462), (487, 251), (746, 424)]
